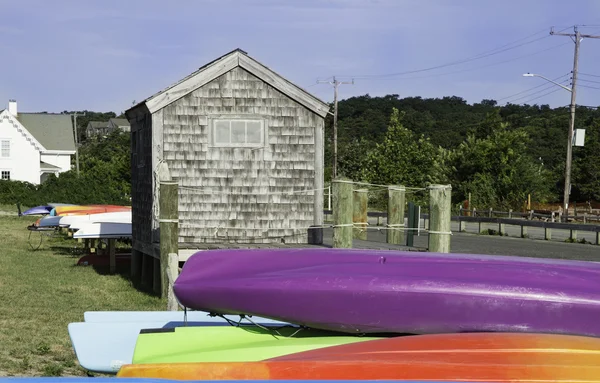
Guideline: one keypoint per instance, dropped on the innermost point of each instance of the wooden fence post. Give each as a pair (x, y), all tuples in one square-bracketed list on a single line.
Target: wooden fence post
[(169, 228), (342, 213), (359, 216), (395, 218), (440, 218), (172, 274)]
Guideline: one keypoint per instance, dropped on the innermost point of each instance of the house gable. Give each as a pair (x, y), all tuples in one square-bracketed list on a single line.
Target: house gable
[(6, 116), (224, 64)]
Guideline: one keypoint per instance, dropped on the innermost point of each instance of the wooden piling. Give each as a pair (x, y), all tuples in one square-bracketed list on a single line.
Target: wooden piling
[(156, 282), (342, 213), (359, 216), (169, 227), (172, 274), (440, 214), (395, 219)]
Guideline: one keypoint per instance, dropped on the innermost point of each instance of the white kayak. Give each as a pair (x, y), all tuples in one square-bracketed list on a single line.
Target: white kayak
[(75, 221), (104, 230), (50, 221)]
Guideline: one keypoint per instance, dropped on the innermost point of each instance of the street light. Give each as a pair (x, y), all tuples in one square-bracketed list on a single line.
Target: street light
[(569, 143), (547, 79)]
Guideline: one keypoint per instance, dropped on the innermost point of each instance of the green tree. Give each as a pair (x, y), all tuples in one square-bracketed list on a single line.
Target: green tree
[(402, 158), (497, 170), (586, 165)]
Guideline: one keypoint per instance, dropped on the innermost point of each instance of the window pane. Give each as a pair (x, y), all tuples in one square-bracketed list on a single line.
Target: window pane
[(254, 132), (5, 148), (238, 132), (222, 135)]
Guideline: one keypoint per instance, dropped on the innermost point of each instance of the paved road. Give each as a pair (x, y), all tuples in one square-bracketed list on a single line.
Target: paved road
[(471, 242)]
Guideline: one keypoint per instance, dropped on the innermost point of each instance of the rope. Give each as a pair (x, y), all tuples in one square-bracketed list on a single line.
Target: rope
[(393, 187), (220, 191), (272, 330)]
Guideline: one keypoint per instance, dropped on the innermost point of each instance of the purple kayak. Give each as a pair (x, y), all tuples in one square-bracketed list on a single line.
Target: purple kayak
[(370, 291), (38, 210)]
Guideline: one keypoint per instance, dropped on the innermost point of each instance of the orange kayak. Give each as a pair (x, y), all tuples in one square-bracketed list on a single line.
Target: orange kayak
[(490, 357), (88, 209)]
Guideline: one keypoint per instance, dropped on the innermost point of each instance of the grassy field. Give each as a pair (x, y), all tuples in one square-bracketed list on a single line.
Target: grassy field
[(42, 290)]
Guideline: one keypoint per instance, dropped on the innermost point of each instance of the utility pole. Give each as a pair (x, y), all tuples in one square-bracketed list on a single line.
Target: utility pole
[(76, 139), (335, 84), (576, 37)]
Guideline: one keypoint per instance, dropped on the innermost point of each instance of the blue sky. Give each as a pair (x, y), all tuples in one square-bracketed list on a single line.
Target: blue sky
[(102, 55)]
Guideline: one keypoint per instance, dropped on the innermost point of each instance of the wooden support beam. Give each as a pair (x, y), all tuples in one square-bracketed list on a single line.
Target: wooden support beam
[(395, 217), (136, 265), (156, 284), (342, 213), (172, 274), (112, 255), (359, 216), (147, 276), (440, 218), (169, 227)]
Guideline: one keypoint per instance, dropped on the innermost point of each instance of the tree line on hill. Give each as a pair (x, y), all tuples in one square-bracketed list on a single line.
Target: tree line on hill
[(498, 154)]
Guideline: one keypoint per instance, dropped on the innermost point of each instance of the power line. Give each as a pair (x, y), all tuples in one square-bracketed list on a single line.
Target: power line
[(547, 86), (592, 81), (474, 68), (589, 87), (543, 95), (472, 58), (591, 75), (535, 87)]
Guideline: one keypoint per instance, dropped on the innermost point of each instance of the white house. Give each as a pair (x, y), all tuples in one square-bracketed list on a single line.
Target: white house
[(34, 145)]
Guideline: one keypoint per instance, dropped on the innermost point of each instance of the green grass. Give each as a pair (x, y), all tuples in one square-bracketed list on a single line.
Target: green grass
[(42, 291)]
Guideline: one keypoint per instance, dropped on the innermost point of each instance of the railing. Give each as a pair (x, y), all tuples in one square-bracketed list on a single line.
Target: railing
[(531, 214), (524, 220)]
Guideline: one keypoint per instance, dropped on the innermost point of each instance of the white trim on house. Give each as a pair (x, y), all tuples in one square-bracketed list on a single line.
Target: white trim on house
[(58, 152), (223, 65), (23, 130)]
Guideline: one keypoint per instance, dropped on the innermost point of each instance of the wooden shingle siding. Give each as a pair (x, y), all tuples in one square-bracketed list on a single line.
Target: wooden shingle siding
[(246, 192)]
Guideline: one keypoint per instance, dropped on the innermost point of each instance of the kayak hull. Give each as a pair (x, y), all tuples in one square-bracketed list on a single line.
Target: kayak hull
[(231, 344), (479, 357), (369, 291)]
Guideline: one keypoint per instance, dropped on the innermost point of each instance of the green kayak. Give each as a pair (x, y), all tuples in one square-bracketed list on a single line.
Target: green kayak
[(231, 344)]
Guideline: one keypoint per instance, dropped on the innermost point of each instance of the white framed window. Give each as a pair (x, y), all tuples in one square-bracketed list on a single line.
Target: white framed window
[(5, 175), (238, 132), (5, 148)]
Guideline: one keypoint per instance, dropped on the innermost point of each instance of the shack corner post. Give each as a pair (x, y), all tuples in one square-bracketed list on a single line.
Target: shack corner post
[(169, 231), (343, 206), (440, 230)]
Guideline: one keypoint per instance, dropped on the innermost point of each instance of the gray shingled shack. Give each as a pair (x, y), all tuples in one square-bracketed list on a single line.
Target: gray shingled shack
[(245, 146)]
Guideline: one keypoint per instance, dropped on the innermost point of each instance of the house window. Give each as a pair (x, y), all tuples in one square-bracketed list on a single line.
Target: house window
[(238, 132), (5, 148), (6, 175)]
